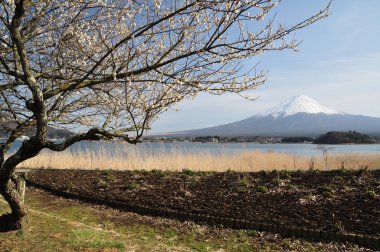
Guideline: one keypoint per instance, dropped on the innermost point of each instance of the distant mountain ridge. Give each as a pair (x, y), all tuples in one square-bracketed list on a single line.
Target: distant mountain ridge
[(297, 116), (53, 133)]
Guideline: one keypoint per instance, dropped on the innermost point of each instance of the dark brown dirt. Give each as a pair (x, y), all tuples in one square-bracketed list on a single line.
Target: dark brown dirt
[(346, 201), (261, 240)]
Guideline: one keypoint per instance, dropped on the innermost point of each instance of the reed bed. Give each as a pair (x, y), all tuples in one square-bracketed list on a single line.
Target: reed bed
[(127, 158)]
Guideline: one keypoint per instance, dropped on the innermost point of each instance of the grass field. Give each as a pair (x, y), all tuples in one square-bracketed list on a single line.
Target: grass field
[(177, 160), (57, 224)]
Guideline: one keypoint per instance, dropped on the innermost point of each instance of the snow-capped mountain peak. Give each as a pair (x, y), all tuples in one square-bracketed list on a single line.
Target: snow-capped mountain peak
[(299, 104), (297, 116)]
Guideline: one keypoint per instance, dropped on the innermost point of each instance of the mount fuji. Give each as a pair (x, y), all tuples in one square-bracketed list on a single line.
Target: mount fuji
[(298, 116), (299, 104)]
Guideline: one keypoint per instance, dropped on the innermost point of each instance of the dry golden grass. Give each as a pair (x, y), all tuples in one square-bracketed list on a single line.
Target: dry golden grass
[(124, 158)]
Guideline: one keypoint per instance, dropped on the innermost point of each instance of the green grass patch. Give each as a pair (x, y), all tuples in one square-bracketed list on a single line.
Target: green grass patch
[(76, 227), (131, 186), (188, 172), (262, 189), (327, 191), (92, 239), (46, 233), (244, 182), (371, 194)]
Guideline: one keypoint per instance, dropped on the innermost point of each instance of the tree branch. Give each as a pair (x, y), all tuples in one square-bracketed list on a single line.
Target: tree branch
[(94, 134)]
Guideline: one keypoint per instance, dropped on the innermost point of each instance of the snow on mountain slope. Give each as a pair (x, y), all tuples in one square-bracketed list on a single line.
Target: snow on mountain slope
[(297, 116), (299, 104)]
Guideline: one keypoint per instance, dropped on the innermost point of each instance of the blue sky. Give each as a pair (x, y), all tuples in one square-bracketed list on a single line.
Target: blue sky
[(338, 65)]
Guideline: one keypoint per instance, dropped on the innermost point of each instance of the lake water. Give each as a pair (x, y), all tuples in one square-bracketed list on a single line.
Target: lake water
[(217, 148)]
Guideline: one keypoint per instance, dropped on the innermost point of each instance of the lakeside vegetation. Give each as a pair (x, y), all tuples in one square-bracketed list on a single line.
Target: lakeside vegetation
[(343, 137), (124, 157)]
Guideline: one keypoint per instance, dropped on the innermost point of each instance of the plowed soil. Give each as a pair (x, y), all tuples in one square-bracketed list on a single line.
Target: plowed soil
[(341, 201)]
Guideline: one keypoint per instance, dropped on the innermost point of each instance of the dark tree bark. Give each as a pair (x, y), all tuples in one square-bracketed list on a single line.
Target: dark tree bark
[(17, 219), (10, 184)]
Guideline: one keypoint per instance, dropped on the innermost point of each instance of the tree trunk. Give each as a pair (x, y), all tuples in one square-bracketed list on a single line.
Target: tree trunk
[(17, 219), (12, 186)]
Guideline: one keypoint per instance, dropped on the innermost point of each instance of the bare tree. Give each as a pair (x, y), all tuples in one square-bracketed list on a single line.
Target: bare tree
[(110, 67)]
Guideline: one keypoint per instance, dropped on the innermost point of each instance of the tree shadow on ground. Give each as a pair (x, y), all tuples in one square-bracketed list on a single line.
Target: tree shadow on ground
[(7, 223)]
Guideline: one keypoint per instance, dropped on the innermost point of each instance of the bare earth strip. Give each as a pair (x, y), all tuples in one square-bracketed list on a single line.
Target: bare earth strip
[(58, 224)]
